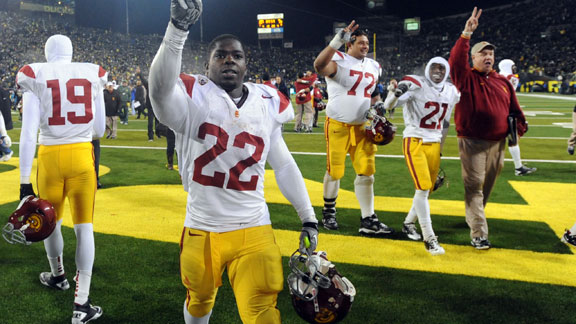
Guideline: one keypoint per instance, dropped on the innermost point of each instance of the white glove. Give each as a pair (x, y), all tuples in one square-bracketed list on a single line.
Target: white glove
[(340, 39), (6, 140), (185, 13)]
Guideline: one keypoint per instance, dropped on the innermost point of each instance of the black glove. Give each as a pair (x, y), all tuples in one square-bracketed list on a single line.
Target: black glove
[(402, 88), (308, 238), (379, 107), (184, 13), (26, 190)]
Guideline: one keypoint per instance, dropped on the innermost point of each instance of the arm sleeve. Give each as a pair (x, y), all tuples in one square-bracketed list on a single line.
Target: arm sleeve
[(99, 116), (28, 134), (289, 178), (458, 61), (168, 100)]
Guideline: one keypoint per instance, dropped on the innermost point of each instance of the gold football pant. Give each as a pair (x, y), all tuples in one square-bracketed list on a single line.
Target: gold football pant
[(68, 171), (423, 160), (254, 265), (342, 139)]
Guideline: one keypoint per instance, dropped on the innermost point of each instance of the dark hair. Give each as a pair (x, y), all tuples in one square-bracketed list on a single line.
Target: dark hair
[(356, 33), (265, 76), (220, 38), (300, 74)]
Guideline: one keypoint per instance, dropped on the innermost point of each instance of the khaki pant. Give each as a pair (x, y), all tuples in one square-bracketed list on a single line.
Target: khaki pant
[(482, 161), (572, 139), (304, 117), (111, 126)]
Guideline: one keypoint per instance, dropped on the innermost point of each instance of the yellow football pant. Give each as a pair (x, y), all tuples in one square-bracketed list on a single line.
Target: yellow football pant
[(341, 139), (254, 265), (423, 160), (68, 171)]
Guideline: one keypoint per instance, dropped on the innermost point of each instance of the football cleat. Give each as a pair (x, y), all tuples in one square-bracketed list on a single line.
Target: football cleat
[(372, 226), (34, 220), (433, 246), (85, 313), (524, 170), (319, 293), (410, 230), (60, 282), (481, 243), (329, 219), (568, 238), (571, 149)]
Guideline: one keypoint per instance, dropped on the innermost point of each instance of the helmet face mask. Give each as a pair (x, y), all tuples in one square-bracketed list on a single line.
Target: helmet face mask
[(34, 220), (379, 129), (319, 293)]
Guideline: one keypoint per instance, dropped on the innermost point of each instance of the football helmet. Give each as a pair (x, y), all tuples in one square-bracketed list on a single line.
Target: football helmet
[(319, 293), (34, 220), (379, 129)]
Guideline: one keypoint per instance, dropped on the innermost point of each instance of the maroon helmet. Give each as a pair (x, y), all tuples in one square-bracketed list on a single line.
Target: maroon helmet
[(34, 220), (319, 293), (379, 129)]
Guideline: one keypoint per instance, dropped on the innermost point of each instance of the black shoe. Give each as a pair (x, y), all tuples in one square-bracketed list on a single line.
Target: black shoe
[(571, 149), (99, 185), (329, 219), (60, 282), (372, 226), (523, 170), (85, 313), (569, 238), (481, 243)]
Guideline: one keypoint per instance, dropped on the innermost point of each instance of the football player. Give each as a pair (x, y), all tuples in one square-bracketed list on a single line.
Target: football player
[(5, 142), (64, 100), (428, 102), (351, 78), (507, 68), (226, 131), (569, 236), (304, 102)]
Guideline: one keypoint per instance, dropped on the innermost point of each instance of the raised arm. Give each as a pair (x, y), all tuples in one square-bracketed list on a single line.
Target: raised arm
[(169, 106), (459, 65), (323, 63)]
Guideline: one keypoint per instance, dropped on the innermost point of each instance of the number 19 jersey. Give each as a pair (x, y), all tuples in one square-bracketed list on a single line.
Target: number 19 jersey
[(350, 90), (67, 92)]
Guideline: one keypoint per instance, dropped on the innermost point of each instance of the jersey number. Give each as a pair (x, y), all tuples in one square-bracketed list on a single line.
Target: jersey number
[(240, 141), (426, 122), (359, 75), (85, 99)]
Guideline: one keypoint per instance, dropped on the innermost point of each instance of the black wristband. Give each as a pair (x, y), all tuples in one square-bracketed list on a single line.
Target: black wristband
[(310, 224)]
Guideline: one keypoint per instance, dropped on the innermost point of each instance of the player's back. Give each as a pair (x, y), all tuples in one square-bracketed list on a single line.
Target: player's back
[(66, 93)]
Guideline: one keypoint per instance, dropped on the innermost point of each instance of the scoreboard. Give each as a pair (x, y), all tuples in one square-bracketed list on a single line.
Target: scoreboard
[(271, 26)]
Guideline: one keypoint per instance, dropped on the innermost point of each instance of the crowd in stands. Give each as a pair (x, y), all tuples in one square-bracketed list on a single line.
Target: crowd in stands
[(539, 36)]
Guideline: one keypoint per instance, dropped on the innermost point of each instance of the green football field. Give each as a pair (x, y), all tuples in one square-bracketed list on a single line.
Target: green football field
[(527, 277)]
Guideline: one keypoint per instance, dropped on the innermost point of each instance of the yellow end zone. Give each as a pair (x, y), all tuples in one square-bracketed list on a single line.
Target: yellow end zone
[(156, 212)]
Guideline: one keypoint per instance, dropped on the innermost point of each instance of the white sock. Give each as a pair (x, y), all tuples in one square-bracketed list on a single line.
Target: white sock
[(331, 186), (422, 208), (54, 246), (515, 152), (364, 189), (189, 319), (412, 216), (83, 279), (573, 230), (84, 261)]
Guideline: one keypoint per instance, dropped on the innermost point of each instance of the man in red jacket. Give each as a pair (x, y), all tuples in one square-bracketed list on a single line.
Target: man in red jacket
[(481, 124)]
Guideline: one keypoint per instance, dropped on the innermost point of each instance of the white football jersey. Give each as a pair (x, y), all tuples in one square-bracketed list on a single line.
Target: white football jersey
[(222, 152), (67, 92), (426, 108), (513, 78), (350, 90)]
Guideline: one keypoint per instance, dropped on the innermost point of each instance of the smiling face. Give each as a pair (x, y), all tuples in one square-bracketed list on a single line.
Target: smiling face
[(359, 49), (437, 72), (227, 65), (484, 60)]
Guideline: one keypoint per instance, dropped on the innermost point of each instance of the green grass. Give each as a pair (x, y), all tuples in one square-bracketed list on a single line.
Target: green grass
[(137, 281)]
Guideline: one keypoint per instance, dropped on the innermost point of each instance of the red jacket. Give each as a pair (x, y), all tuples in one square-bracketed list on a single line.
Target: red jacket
[(304, 84), (486, 99)]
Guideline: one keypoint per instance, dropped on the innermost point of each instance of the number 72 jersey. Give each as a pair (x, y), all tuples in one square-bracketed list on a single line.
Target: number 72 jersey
[(67, 92)]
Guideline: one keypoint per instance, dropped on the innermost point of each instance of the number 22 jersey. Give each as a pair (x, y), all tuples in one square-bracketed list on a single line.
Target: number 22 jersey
[(67, 92)]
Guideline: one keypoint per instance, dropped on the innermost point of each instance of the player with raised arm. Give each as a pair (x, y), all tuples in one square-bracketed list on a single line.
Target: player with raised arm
[(428, 102), (351, 78), (64, 100), (226, 131)]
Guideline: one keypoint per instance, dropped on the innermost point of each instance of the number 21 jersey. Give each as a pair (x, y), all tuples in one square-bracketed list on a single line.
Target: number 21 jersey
[(67, 92)]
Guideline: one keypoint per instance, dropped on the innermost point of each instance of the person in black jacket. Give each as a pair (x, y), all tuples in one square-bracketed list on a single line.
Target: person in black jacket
[(148, 106), (112, 102), (5, 107), (282, 87), (140, 99)]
